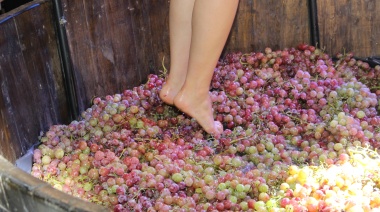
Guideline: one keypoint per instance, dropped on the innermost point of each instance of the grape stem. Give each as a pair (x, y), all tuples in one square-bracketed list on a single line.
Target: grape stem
[(164, 73), (146, 139), (240, 60), (294, 118), (122, 153), (239, 139)]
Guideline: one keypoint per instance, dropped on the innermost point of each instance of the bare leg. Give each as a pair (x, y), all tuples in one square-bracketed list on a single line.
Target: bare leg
[(211, 24), (180, 17)]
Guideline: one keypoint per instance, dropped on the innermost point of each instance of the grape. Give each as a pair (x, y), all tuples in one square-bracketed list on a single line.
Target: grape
[(263, 187), (46, 159), (259, 205), (360, 114), (233, 199), (271, 204), (210, 194), (59, 153), (338, 146), (177, 177), (240, 188), (236, 162), (134, 109), (284, 111), (222, 186)]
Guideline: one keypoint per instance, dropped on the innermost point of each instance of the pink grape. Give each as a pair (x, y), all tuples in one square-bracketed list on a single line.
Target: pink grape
[(280, 109)]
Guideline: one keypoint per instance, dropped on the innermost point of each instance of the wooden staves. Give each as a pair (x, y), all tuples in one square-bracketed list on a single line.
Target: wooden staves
[(350, 26), (115, 44), (32, 95), (275, 24)]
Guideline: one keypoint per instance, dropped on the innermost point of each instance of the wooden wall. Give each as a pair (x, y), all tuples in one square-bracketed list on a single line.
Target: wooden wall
[(31, 89), (276, 24), (115, 44), (350, 26)]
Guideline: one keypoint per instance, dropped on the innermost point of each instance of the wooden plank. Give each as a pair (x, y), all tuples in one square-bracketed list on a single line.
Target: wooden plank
[(103, 49), (142, 37), (350, 26), (157, 12), (80, 36), (32, 93), (275, 24), (128, 65)]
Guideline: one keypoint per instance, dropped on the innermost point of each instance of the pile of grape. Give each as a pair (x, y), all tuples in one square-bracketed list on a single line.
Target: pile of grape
[(301, 133)]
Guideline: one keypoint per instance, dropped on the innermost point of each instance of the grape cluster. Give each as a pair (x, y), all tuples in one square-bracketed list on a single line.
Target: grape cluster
[(285, 113)]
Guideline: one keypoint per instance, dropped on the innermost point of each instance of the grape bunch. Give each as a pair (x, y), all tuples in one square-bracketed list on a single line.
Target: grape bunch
[(301, 133)]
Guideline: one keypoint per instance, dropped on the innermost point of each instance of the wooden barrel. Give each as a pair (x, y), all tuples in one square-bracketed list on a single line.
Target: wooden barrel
[(114, 45)]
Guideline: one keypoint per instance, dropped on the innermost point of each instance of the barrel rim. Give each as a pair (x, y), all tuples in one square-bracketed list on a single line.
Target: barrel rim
[(19, 10)]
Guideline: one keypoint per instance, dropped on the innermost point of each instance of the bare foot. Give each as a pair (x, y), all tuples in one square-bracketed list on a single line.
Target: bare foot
[(168, 93), (170, 89), (200, 108)]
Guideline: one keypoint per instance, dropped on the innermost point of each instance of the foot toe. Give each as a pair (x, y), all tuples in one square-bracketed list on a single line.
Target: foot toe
[(218, 129), (218, 126)]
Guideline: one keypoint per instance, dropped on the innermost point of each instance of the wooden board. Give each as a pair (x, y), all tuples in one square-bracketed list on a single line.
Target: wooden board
[(114, 44), (275, 24), (350, 26), (32, 94)]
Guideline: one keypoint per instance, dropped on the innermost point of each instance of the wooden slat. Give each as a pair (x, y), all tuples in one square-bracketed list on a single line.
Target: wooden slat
[(157, 13), (32, 94), (102, 40), (350, 26), (275, 24)]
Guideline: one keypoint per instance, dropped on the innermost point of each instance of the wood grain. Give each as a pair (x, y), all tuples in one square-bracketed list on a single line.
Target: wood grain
[(114, 44), (350, 26), (275, 24), (32, 94)]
